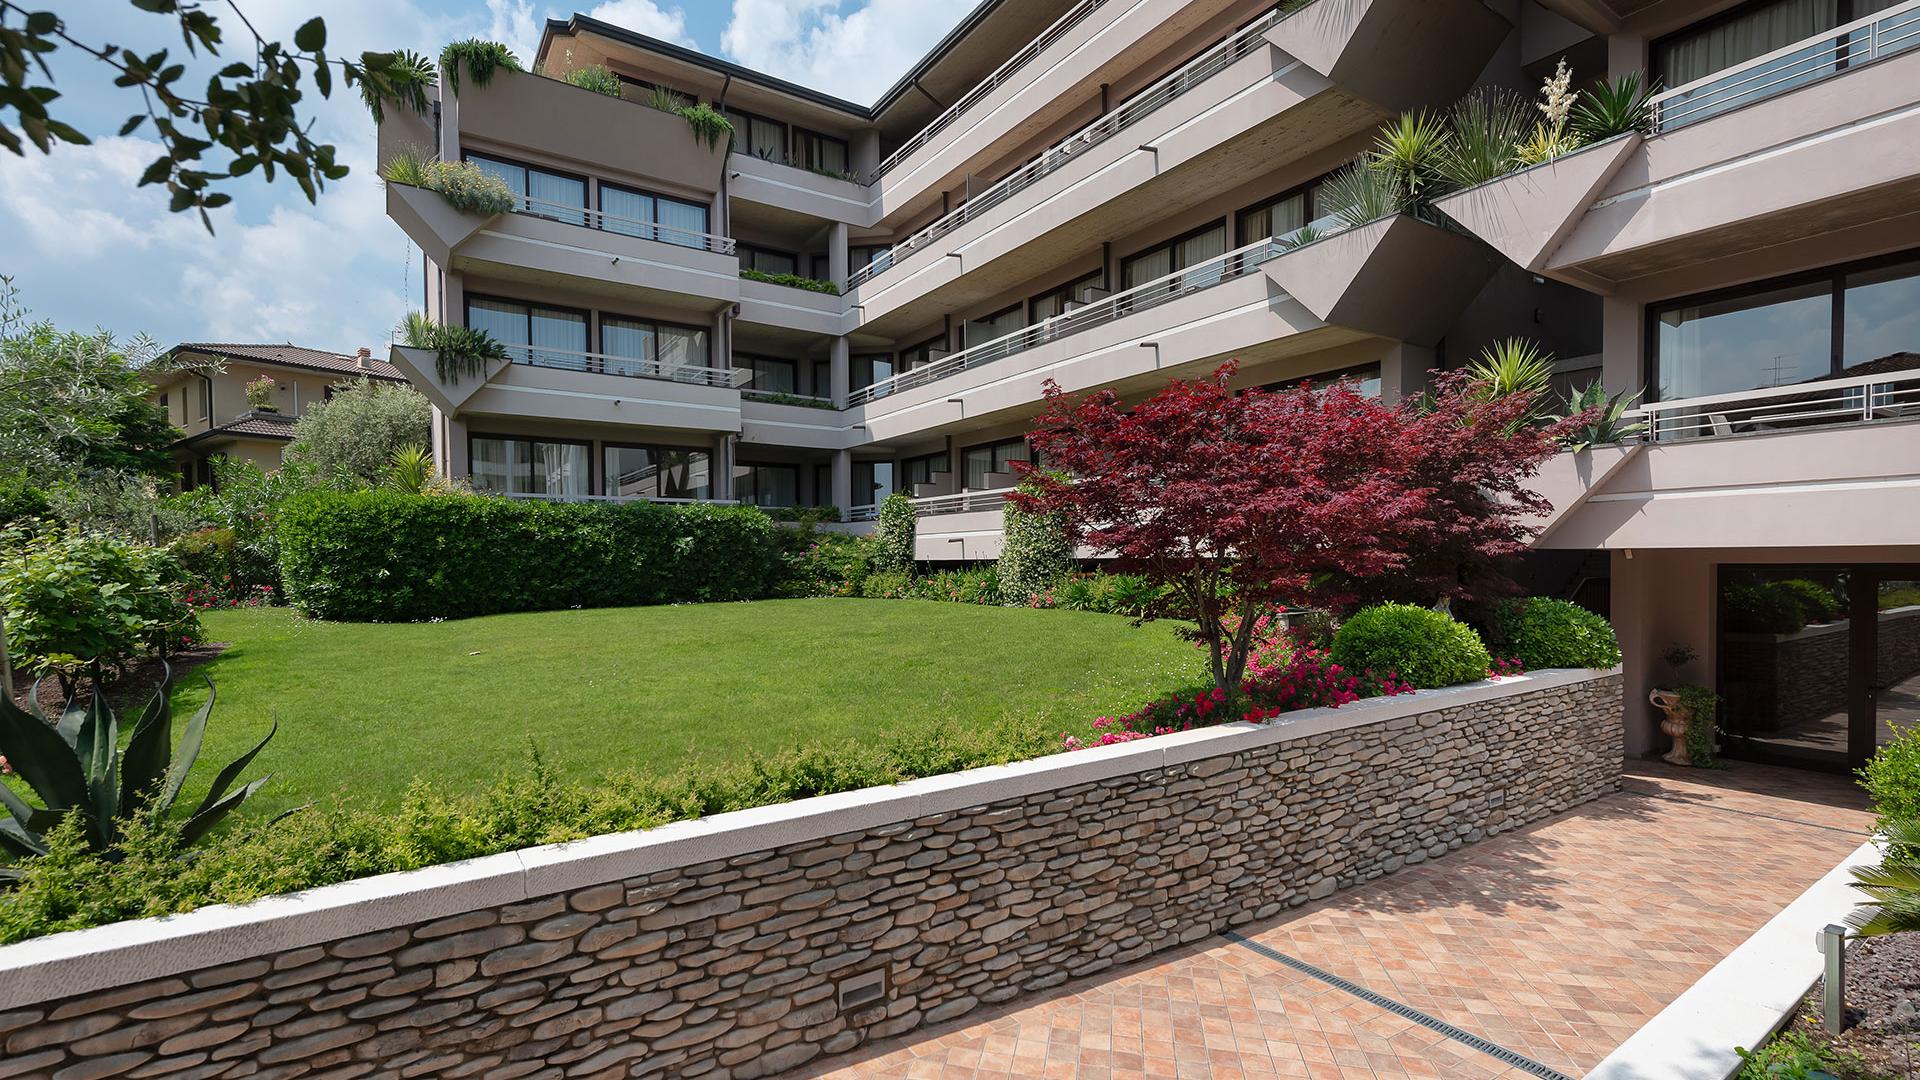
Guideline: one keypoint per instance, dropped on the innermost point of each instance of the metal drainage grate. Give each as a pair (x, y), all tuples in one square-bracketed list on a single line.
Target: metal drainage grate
[(1467, 1038)]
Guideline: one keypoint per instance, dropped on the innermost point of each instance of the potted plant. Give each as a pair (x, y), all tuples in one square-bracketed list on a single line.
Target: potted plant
[(260, 395), (1689, 714)]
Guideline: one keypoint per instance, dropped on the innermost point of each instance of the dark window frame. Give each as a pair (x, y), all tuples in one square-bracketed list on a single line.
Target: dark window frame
[(1239, 216), (907, 464), (756, 360), (613, 444), (1843, 14), (587, 185), (937, 341), (593, 467), (1061, 289), (746, 137), (1017, 440), (600, 342), (1018, 306), (1172, 245), (600, 203), (593, 324), (796, 137), (745, 250), (793, 467)]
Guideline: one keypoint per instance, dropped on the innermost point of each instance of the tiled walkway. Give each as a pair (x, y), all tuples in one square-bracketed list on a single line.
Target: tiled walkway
[(1556, 942)]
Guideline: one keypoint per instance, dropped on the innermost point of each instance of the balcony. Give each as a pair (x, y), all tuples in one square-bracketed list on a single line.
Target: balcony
[(1859, 399), (546, 496), (1754, 171), (592, 388)]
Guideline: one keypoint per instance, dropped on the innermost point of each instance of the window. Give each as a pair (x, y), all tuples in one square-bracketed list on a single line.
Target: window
[(859, 255), (821, 153), (980, 461), (1048, 304), (758, 136), (545, 194), (1178, 254), (653, 217), (823, 378), (767, 261), (998, 324), (767, 485), (529, 466), (1277, 216), (1849, 320), (868, 370), (650, 347), (1754, 30), (921, 470), (872, 482), (657, 472), (532, 333), (1365, 378), (206, 398), (926, 352), (772, 374)]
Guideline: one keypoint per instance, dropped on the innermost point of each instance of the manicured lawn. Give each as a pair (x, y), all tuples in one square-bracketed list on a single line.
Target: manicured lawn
[(365, 708)]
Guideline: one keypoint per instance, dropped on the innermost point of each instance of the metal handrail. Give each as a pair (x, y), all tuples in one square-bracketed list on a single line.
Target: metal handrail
[(961, 502), (623, 226), (1073, 17), (864, 512), (1229, 266), (1168, 88), (607, 364), (1848, 400), (1881, 34), (544, 496)]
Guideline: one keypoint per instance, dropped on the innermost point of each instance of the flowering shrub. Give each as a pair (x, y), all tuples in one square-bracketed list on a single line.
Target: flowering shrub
[(1035, 558), (260, 394)]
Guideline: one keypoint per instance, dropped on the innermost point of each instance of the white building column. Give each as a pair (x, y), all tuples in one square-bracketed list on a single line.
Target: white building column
[(837, 255), (839, 373), (450, 450), (843, 482), (722, 466), (1403, 371)]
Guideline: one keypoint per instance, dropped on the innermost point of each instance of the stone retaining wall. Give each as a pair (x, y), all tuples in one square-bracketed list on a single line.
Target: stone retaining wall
[(741, 945)]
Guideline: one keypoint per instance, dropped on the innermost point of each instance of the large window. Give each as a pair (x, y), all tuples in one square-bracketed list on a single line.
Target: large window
[(508, 466), (547, 194), (1851, 320), (1048, 304), (657, 472), (766, 485), (998, 324), (758, 136), (921, 470), (1277, 216), (979, 461), (768, 261), (772, 374), (1178, 254), (653, 217), (821, 153), (868, 370), (923, 353), (650, 347), (1753, 30), (532, 333), (872, 482)]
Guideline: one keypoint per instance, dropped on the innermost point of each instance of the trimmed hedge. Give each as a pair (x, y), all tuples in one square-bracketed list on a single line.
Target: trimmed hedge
[(1423, 646), (385, 556), (1548, 633)]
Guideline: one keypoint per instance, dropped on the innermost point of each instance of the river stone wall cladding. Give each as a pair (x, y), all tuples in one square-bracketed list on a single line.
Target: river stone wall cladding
[(734, 968)]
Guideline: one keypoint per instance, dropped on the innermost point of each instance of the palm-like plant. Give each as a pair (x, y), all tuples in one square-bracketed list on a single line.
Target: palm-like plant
[(1487, 127), (1413, 150), (1614, 107), (1892, 885), (1602, 419), (410, 469), (459, 351), (1361, 194), (1515, 366), (77, 768), (402, 76)]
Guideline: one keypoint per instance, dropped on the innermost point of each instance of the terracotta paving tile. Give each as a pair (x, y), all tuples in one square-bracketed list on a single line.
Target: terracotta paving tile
[(1556, 941)]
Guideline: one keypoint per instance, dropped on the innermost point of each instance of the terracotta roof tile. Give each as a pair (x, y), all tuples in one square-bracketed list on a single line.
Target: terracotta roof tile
[(296, 357)]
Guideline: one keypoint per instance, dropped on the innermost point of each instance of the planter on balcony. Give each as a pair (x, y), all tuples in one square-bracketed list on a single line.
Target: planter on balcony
[(430, 223), (420, 368), (1525, 215), (1398, 277), (1394, 54)]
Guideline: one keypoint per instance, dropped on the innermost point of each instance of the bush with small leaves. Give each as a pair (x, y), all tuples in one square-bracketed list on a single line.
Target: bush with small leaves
[(1424, 647), (893, 552), (1548, 633)]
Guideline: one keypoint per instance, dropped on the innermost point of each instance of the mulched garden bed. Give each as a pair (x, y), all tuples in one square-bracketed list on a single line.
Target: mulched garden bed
[(129, 693), (1882, 1038)]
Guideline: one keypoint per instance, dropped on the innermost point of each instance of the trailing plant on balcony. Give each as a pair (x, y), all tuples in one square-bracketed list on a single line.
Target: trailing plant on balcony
[(595, 77), (404, 77), (458, 351), (77, 766), (794, 281), (480, 58), (1595, 419), (465, 186), (708, 124), (1614, 107), (1487, 127)]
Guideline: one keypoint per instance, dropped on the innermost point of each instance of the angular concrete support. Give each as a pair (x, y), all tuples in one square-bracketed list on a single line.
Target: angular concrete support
[(1398, 277), (419, 366), (1525, 216), (429, 222), (1397, 54)]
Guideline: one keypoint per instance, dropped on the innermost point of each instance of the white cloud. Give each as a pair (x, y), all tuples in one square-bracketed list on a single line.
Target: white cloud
[(856, 55), (646, 17)]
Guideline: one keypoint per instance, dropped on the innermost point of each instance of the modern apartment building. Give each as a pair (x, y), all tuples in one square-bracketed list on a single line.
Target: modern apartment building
[(1110, 193), (205, 396)]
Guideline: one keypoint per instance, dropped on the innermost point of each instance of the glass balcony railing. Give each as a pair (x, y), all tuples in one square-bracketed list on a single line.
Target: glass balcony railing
[(1885, 33)]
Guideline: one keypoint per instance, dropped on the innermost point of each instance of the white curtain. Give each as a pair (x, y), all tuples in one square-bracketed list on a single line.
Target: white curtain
[(558, 468), (686, 222), (681, 347), (558, 338), (506, 322), (1721, 45), (562, 198), (1151, 266), (1196, 250), (627, 339), (632, 206)]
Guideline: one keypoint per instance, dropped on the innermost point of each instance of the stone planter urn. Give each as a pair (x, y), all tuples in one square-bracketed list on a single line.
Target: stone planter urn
[(1674, 725)]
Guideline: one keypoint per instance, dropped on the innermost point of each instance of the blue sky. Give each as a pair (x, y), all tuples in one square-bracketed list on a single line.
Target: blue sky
[(87, 249)]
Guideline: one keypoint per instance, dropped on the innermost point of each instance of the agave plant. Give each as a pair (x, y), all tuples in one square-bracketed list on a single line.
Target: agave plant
[(75, 765), (410, 469), (1488, 126), (1614, 107), (1413, 150), (1515, 366), (1361, 194), (1602, 419), (1892, 885)]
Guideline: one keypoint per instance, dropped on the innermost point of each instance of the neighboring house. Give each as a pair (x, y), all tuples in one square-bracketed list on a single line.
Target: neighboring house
[(1112, 194), (206, 398)]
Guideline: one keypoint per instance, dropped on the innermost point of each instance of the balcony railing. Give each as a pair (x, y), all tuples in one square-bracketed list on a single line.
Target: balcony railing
[(554, 496), (605, 364), (962, 502), (1234, 264), (1882, 34), (1074, 16), (1854, 400), (1169, 88), (624, 226)]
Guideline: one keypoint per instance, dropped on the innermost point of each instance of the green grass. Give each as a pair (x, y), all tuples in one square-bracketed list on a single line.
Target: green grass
[(365, 708)]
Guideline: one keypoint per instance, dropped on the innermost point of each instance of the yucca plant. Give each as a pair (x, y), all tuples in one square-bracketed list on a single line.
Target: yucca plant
[(1488, 125), (76, 766), (410, 469), (1892, 885), (1300, 237), (1413, 150), (1515, 366), (480, 58), (408, 166), (665, 99), (402, 76), (1614, 107), (1602, 419), (1361, 194)]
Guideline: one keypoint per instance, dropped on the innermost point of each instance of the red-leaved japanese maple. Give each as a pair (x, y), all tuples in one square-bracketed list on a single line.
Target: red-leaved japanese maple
[(1244, 501)]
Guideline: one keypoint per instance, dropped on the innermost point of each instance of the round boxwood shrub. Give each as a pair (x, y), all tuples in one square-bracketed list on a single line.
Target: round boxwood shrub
[(1548, 633), (1423, 646)]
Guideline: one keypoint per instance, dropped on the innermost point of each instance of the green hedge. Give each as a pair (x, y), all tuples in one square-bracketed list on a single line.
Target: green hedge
[(1548, 633), (1421, 645), (384, 556)]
